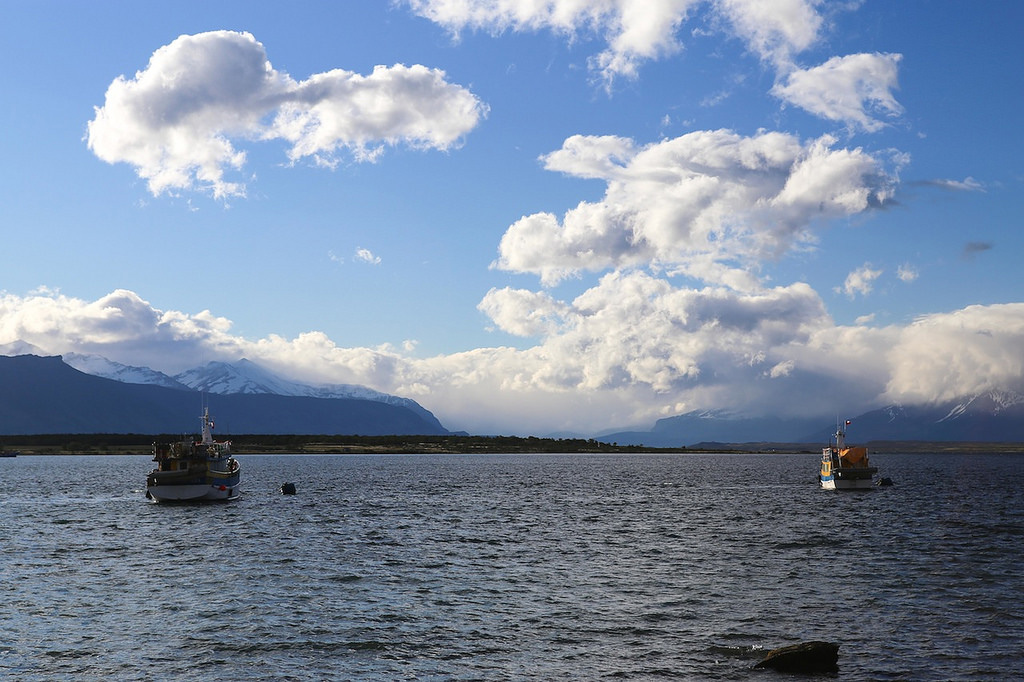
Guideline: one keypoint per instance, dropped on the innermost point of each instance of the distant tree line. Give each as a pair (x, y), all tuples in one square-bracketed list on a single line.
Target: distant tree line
[(322, 443), (441, 443)]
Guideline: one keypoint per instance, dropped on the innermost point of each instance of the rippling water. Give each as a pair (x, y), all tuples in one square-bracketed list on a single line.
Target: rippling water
[(512, 568)]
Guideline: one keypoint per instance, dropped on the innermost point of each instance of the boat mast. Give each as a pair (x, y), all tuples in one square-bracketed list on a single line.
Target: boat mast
[(207, 426), (841, 435)]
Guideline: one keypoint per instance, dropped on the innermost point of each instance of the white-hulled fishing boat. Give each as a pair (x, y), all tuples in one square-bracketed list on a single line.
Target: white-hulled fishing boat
[(188, 470), (844, 467)]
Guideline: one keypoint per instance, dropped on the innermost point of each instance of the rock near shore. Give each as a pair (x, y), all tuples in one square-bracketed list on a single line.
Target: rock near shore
[(806, 657)]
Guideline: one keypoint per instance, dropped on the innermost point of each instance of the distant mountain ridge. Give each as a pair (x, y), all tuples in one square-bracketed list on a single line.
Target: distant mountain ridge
[(242, 377), (45, 395), (99, 366), (993, 416)]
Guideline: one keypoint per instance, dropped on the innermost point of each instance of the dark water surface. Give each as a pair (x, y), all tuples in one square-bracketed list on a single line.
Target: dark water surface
[(548, 567)]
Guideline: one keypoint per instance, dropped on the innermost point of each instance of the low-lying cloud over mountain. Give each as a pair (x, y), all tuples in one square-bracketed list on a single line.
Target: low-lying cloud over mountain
[(42, 395), (993, 416), (625, 353)]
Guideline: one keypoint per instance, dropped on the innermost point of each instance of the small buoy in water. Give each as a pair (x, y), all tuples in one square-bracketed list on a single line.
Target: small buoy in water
[(288, 489)]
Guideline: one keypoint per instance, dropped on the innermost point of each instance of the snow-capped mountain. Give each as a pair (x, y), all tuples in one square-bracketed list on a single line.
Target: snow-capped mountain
[(992, 402), (101, 367), (47, 395), (245, 376), (996, 415), (242, 377), (19, 348)]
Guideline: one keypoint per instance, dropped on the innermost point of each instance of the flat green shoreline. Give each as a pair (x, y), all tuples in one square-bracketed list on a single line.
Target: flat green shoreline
[(121, 444), (257, 444)]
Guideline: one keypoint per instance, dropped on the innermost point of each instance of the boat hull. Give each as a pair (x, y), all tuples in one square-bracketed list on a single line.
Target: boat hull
[(193, 492), (849, 479), (181, 487)]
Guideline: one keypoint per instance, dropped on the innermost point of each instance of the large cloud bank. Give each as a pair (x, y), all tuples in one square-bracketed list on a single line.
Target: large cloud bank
[(179, 121), (630, 350)]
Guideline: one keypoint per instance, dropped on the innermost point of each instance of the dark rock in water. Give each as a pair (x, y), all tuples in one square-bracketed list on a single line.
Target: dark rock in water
[(806, 657), (884, 481), (288, 489)]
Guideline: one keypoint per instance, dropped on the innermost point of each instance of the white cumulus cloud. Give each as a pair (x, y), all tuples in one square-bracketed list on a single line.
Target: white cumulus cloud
[(949, 355), (120, 321), (636, 31), (860, 281), (366, 256), (907, 273), (856, 90), (701, 203), (774, 29), (179, 122), (522, 312), (852, 89)]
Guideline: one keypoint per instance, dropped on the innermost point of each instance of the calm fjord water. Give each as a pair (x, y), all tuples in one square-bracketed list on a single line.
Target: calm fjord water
[(553, 567)]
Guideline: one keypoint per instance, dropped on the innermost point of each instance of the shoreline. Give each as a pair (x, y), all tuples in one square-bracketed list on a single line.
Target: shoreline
[(265, 444)]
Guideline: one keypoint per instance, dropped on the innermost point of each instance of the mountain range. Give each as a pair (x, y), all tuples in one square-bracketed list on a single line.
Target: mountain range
[(47, 395), (242, 377), (993, 416), (91, 394)]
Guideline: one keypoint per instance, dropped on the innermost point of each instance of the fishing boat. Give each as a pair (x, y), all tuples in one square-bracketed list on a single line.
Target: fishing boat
[(189, 470), (844, 467)]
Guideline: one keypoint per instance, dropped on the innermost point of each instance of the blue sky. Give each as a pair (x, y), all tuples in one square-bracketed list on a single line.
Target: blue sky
[(531, 219)]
